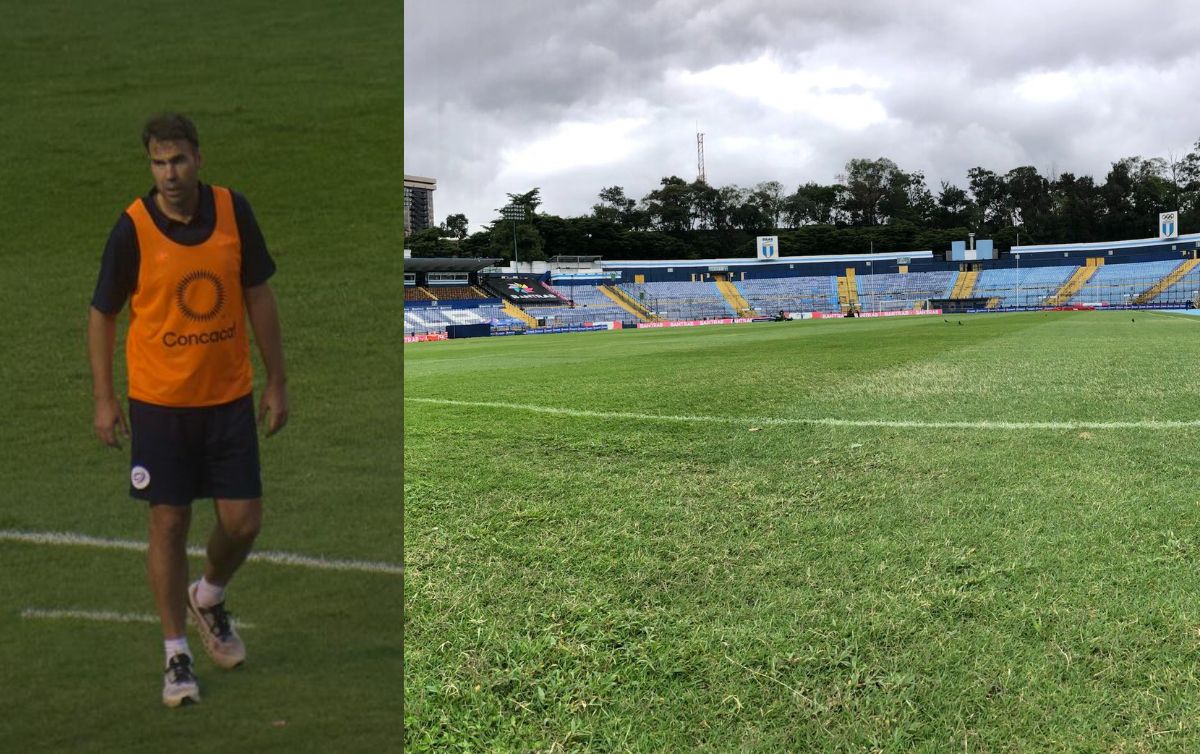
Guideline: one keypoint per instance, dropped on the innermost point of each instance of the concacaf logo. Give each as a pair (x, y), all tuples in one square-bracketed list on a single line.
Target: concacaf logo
[(200, 295)]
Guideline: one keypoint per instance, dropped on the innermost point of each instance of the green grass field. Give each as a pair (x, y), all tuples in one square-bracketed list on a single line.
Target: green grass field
[(645, 541), (299, 108)]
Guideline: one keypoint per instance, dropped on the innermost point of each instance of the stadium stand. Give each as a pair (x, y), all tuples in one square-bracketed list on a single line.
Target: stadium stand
[(898, 291), (590, 306), (582, 295), (1119, 284), (680, 300), (1028, 286), (456, 292), (1184, 287), (794, 294), (428, 320), (416, 293)]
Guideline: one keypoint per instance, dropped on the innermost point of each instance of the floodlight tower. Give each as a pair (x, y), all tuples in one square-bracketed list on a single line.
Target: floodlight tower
[(514, 213), (700, 157)]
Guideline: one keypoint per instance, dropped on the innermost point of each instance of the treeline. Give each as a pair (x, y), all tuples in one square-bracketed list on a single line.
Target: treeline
[(874, 205)]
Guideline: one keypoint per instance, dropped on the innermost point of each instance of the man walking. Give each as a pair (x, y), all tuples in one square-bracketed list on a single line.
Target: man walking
[(192, 262)]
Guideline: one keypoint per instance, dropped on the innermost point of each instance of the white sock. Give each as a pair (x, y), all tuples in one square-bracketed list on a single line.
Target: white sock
[(176, 647), (208, 594)]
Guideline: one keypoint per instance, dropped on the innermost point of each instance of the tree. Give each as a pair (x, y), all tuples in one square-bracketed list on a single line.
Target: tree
[(954, 207), (614, 207), (1117, 196), (1187, 178), (429, 242), (750, 213), (768, 198), (530, 246), (1134, 192), (529, 242), (1029, 201), (908, 198), (709, 203), (814, 204), (878, 191), (867, 183), (1077, 210), (455, 226), (671, 206), (990, 196)]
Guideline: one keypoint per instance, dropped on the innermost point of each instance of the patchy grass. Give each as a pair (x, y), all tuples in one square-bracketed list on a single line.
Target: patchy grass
[(601, 584)]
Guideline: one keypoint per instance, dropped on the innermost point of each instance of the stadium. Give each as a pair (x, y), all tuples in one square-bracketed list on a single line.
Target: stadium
[(471, 297), (963, 521)]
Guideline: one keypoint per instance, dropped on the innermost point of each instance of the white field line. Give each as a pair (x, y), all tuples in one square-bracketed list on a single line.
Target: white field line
[(107, 616), (759, 421), (278, 558)]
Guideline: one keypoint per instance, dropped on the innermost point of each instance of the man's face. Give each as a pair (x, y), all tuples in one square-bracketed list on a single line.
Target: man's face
[(175, 165)]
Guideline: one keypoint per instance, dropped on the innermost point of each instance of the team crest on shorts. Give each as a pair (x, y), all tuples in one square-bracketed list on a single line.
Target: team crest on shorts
[(139, 477)]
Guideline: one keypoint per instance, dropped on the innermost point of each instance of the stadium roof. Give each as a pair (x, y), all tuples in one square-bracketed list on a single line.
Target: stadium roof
[(566, 259), (447, 264), (1189, 238), (614, 264)]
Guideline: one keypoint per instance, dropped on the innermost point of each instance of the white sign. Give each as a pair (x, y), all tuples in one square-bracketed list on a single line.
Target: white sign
[(1168, 225), (768, 247)]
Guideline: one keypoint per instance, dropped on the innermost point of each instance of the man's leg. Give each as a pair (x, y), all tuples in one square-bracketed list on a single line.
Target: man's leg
[(167, 566), (167, 571), (238, 523)]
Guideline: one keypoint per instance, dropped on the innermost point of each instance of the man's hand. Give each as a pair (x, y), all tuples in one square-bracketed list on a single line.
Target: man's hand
[(274, 403), (110, 422)]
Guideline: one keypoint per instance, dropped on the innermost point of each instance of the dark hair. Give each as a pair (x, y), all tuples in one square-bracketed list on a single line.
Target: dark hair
[(170, 127)]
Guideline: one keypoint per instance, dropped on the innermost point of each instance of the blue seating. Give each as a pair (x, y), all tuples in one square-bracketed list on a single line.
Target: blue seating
[(792, 294), (681, 300), (428, 320), (1027, 286), (900, 291), (590, 306), (1118, 284)]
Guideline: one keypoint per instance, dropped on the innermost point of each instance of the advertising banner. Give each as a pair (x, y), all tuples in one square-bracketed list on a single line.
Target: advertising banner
[(695, 322), (426, 336), (523, 289), (900, 313)]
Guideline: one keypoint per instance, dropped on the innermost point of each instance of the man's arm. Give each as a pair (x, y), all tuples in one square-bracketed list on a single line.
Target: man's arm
[(264, 319), (102, 338)]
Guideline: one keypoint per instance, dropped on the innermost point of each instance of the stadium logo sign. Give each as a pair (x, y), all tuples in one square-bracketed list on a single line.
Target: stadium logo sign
[(768, 247), (519, 288), (1168, 225)]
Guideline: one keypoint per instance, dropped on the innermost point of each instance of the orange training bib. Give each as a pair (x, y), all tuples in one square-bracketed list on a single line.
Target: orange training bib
[(187, 343)]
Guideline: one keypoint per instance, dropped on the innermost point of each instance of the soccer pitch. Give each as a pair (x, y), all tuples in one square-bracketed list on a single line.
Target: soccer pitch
[(855, 535), (299, 108)]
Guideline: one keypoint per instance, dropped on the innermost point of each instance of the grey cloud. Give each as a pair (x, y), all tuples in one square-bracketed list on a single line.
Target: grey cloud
[(481, 79)]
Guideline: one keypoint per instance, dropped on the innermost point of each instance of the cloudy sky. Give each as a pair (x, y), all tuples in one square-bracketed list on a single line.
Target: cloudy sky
[(575, 96)]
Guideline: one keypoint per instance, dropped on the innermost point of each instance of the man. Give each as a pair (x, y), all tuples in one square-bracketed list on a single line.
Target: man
[(192, 263)]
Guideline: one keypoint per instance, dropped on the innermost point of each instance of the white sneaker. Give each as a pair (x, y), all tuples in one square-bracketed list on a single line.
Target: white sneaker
[(179, 682), (221, 642)]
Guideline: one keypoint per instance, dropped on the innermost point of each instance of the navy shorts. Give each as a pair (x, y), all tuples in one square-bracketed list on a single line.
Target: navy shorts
[(180, 454)]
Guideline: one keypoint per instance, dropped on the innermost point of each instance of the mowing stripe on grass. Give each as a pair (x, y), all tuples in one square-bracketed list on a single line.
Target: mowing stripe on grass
[(1155, 424), (106, 616), (278, 558)]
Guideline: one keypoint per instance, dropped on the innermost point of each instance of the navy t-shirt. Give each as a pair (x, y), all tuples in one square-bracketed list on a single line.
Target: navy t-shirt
[(119, 265)]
